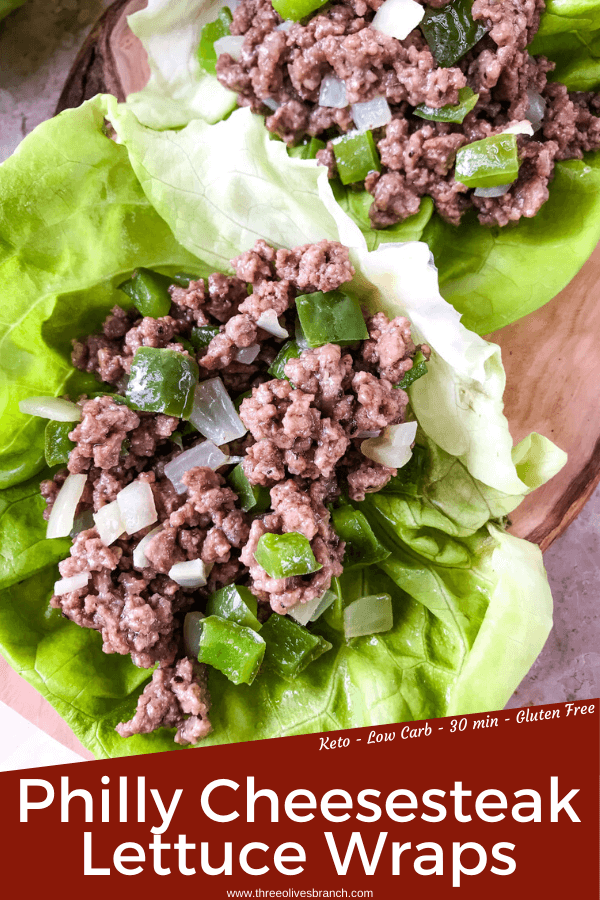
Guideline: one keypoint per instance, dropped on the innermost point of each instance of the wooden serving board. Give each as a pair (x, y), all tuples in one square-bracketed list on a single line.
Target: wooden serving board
[(551, 357)]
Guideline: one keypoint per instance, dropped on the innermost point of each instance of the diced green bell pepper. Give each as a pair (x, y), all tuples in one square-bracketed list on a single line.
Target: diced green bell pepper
[(187, 345), (286, 555), (162, 381), (251, 496), (57, 443), (362, 547), (307, 150), (202, 335), (236, 603), (291, 350), (419, 368), (210, 33), (149, 292), (451, 31), (488, 163), (296, 9), (240, 399), (332, 318), (467, 100), (356, 155), (290, 647), (233, 649)]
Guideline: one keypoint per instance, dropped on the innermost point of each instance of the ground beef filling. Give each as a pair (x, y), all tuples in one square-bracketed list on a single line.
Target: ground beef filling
[(287, 68), (303, 444)]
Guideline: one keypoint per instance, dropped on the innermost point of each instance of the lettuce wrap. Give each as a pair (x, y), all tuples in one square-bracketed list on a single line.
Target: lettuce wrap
[(472, 606), (493, 276), (7, 6)]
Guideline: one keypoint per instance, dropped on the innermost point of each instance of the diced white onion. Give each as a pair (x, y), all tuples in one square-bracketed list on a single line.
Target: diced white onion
[(310, 612), (109, 523), (54, 408), (523, 127), (63, 512), (204, 454), (285, 26), (213, 413), (231, 43), (498, 191), (368, 615), (270, 103), (397, 18), (393, 448), (537, 109), (74, 583), (191, 574), (140, 560), (371, 114), (192, 627), (247, 355), (333, 93), (268, 321), (82, 523), (136, 505)]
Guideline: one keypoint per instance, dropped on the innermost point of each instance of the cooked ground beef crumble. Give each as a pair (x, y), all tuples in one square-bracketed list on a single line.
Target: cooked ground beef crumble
[(303, 444), (279, 74)]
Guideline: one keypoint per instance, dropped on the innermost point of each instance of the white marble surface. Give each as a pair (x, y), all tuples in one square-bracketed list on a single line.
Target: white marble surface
[(38, 44)]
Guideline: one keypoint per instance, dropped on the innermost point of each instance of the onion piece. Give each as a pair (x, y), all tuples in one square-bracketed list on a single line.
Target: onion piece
[(368, 615), (537, 109), (333, 93), (523, 127), (230, 43), (191, 574), (192, 628), (74, 583), (398, 18), (63, 512), (371, 114), (498, 191), (268, 321), (136, 505), (285, 25), (270, 103), (204, 454), (393, 448), (109, 523), (310, 612), (247, 355), (140, 560), (54, 408), (213, 413)]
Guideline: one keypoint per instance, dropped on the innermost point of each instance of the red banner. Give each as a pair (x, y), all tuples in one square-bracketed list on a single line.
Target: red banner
[(481, 805)]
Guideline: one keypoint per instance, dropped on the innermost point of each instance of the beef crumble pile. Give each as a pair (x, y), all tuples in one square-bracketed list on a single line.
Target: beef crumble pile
[(303, 443), (280, 72)]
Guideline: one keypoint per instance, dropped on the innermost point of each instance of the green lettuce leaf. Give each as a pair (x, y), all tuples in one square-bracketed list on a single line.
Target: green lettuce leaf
[(490, 275), (460, 587)]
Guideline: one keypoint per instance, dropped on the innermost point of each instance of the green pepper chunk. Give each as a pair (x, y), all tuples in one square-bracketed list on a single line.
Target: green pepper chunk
[(187, 345), (451, 31), (162, 381), (291, 350), (233, 649), (240, 399), (356, 155), (307, 150), (210, 33), (419, 368), (362, 546), (290, 647), (467, 100), (488, 163), (202, 335), (332, 318), (235, 603), (286, 555), (251, 496), (149, 291), (296, 9), (57, 443)]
